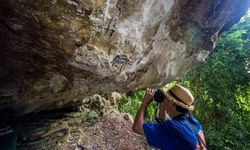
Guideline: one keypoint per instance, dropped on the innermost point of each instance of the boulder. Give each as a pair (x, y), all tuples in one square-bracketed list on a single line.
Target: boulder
[(56, 52)]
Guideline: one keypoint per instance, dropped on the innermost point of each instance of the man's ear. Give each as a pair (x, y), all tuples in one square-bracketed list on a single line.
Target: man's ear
[(173, 104)]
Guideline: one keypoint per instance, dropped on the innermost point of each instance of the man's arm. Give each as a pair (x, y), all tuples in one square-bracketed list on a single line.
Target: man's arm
[(139, 119), (199, 144)]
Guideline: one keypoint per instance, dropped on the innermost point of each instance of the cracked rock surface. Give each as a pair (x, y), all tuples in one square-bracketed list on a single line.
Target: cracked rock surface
[(56, 52)]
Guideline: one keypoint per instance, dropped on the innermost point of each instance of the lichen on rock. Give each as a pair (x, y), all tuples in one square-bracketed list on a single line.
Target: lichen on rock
[(92, 117)]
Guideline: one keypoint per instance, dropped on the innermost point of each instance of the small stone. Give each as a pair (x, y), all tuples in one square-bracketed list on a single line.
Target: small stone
[(72, 2), (98, 101)]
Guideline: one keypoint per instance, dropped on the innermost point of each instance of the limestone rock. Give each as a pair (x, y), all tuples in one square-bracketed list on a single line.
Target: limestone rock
[(56, 52)]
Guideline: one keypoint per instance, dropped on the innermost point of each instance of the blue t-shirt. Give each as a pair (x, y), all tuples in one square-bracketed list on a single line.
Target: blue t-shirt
[(173, 134)]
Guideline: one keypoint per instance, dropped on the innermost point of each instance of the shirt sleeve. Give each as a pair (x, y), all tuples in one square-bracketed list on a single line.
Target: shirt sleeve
[(153, 134), (197, 124), (199, 128)]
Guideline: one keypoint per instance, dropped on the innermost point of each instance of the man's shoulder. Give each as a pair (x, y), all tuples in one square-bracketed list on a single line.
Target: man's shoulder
[(173, 125), (181, 123), (195, 122)]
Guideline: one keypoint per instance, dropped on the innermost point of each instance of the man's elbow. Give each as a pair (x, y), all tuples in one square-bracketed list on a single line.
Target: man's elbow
[(134, 128), (137, 129)]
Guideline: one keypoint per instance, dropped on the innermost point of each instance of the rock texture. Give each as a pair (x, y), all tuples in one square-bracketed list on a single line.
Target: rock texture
[(90, 126), (56, 52)]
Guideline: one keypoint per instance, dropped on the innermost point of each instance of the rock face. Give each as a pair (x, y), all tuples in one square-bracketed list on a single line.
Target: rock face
[(55, 52)]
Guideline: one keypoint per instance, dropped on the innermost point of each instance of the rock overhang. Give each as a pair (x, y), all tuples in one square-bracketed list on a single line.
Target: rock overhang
[(54, 53)]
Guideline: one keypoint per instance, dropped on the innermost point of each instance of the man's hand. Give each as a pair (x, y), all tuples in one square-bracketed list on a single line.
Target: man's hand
[(149, 94)]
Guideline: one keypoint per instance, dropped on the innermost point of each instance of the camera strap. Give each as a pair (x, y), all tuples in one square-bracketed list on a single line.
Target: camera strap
[(157, 118), (196, 133)]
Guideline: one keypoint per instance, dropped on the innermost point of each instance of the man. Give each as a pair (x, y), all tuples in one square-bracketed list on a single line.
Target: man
[(178, 130)]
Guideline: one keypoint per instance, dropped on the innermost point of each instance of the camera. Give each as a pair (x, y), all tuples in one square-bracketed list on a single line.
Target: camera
[(159, 96)]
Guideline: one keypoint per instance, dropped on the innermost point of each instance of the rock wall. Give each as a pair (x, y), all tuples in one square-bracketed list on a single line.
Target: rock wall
[(56, 52)]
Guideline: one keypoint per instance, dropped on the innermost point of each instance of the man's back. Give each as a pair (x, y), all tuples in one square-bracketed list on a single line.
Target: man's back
[(173, 134)]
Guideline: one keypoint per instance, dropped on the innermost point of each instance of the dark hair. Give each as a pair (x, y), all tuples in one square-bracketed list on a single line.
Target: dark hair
[(181, 109)]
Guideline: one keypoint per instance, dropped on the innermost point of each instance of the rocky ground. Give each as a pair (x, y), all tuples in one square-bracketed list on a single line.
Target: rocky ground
[(111, 132), (97, 124)]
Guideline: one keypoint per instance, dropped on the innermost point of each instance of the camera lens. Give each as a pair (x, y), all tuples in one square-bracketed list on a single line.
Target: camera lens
[(159, 96)]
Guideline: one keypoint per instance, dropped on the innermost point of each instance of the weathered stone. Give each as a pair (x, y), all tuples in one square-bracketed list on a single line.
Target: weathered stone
[(69, 128), (56, 52)]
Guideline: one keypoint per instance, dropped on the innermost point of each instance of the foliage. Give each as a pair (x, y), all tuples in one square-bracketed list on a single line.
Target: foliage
[(221, 88), (132, 102)]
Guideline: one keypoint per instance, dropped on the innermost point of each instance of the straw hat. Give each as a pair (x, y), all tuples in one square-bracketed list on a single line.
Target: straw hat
[(180, 96)]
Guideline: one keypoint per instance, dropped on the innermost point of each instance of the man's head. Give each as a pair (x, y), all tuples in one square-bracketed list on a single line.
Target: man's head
[(178, 99)]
